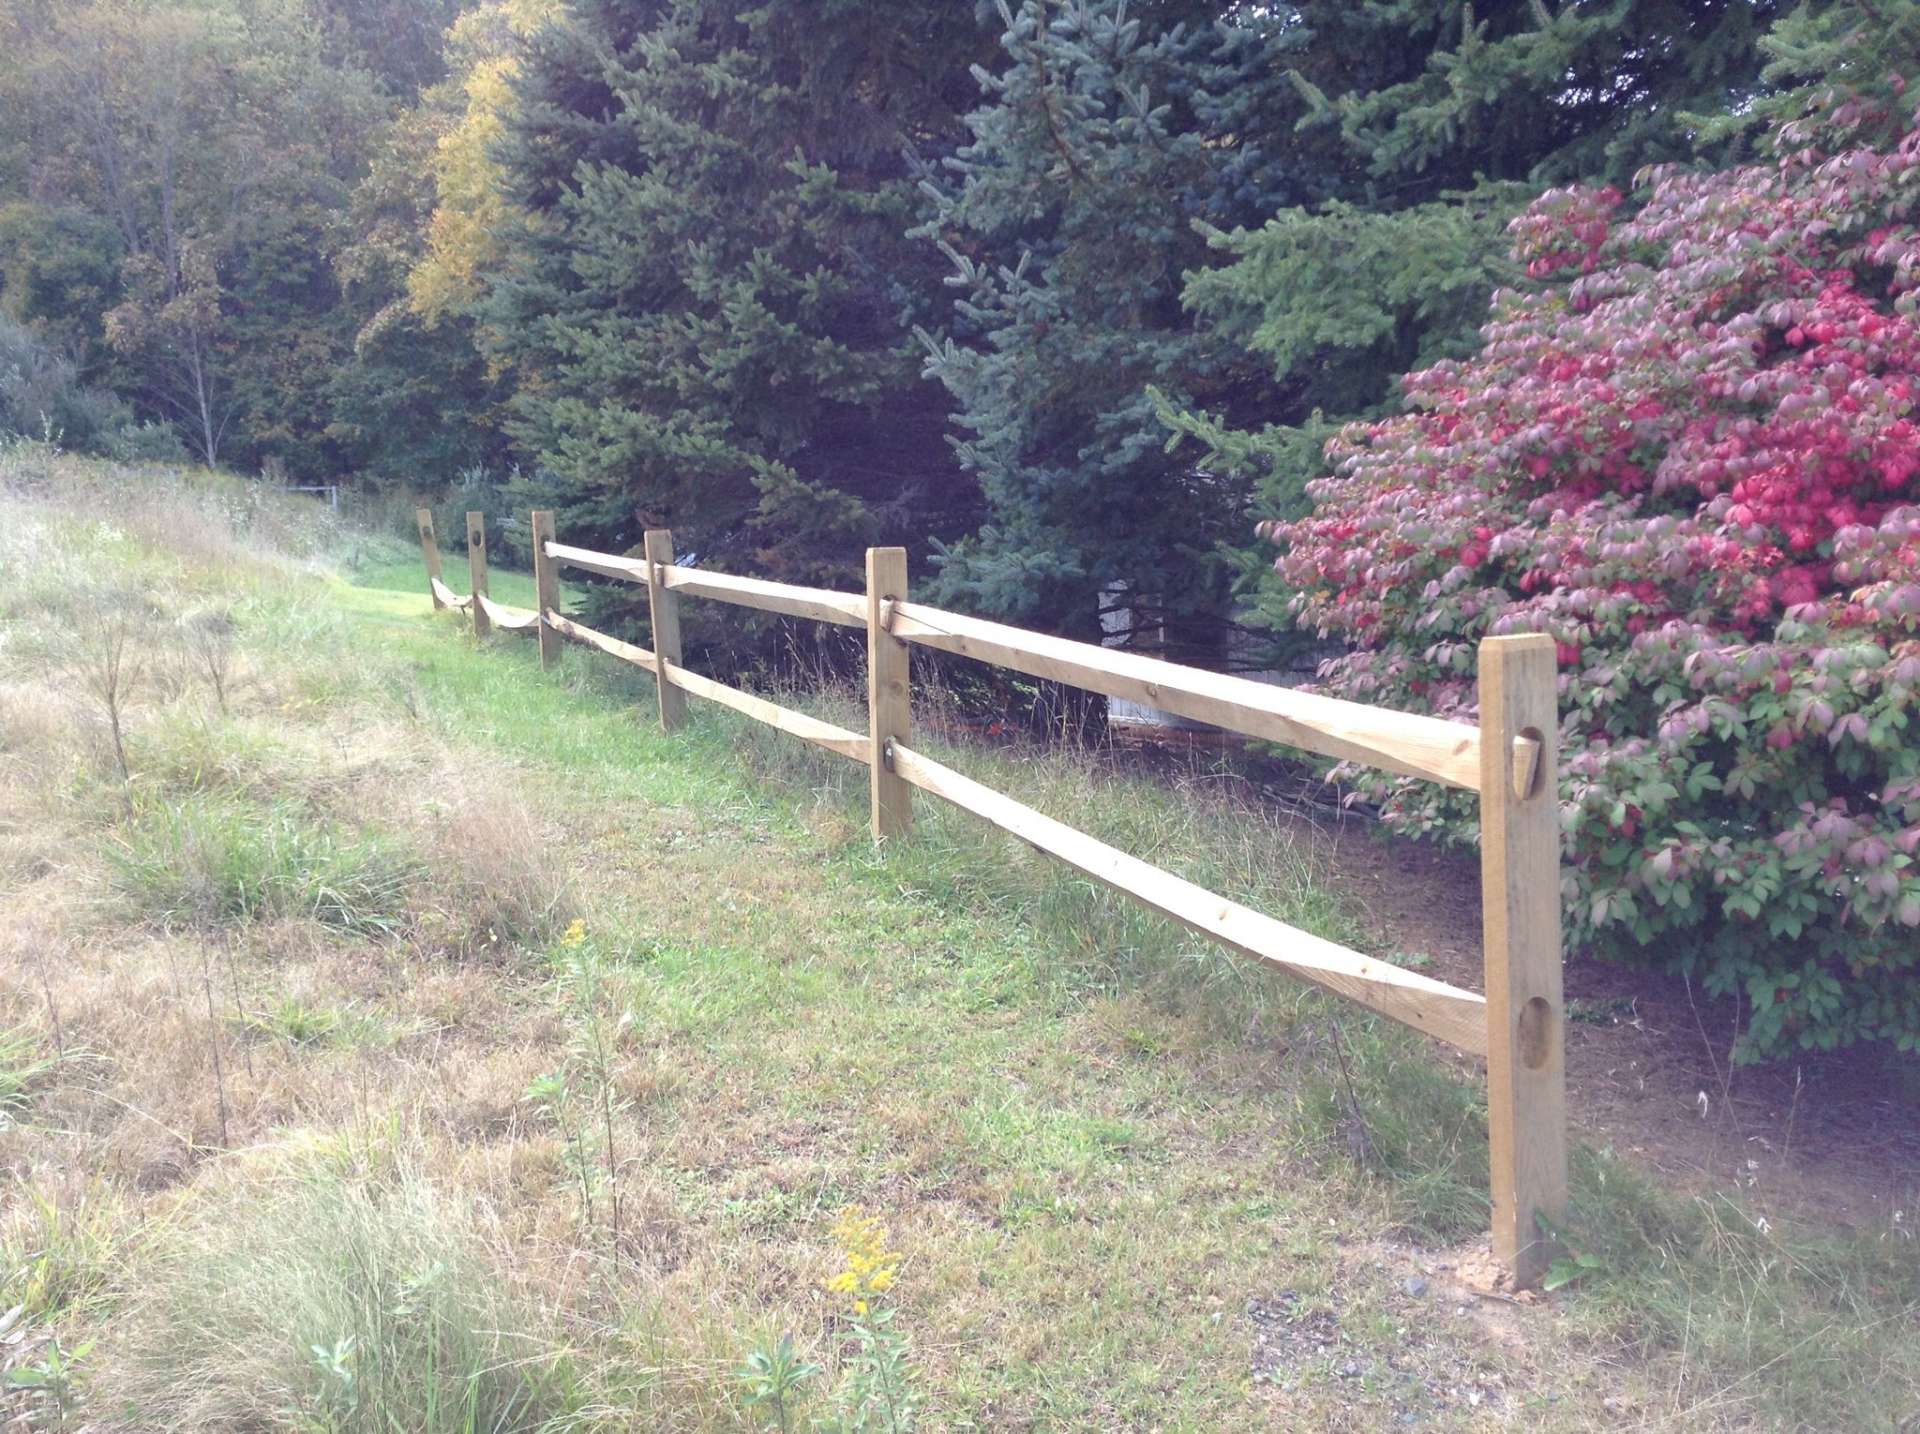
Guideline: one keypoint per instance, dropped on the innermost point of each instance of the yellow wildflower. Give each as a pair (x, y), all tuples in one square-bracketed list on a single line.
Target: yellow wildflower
[(870, 1266), (575, 933)]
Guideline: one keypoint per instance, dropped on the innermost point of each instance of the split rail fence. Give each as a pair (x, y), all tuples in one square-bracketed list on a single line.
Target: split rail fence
[(1517, 1026)]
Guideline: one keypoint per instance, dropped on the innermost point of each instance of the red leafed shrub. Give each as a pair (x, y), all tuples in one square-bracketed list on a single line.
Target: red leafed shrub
[(1692, 455)]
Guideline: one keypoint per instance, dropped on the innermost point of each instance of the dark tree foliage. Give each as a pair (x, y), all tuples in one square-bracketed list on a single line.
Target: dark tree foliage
[(418, 406), (60, 272), (708, 310), (398, 40), (1106, 133), (1442, 121)]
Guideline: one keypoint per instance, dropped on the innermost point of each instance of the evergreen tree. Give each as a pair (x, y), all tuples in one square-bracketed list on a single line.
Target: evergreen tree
[(708, 298), (1444, 120), (1109, 131)]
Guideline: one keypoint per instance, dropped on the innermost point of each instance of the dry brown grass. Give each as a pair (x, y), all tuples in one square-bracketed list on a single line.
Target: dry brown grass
[(497, 881)]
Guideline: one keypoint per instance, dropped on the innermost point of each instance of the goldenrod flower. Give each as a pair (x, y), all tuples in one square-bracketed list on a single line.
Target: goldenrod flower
[(871, 1267), (575, 933)]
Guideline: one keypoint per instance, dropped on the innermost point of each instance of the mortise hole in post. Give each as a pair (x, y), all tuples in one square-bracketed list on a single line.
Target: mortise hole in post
[(1536, 1032), (1532, 734)]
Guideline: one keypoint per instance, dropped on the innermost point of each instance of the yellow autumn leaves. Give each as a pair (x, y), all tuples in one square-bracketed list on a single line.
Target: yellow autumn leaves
[(470, 207)]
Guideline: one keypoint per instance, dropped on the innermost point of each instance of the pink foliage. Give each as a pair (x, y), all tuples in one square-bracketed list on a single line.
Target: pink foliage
[(1691, 454)]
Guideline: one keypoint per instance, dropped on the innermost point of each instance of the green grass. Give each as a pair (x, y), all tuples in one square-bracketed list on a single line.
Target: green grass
[(62, 1259), (209, 860), (25, 1061), (306, 1025), (1806, 1322)]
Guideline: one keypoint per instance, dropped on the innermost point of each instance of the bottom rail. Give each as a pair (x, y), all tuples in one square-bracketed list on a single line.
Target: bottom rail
[(449, 597), (612, 646), (1455, 1016), (847, 744), (510, 619), (795, 724)]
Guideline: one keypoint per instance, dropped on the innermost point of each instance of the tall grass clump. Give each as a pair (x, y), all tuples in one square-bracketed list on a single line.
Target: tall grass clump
[(209, 860), (493, 880), (62, 1249), (24, 1063), (1809, 1329), (331, 1302)]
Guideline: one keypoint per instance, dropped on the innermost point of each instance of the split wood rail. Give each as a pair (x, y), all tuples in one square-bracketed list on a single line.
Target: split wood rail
[(1509, 760)]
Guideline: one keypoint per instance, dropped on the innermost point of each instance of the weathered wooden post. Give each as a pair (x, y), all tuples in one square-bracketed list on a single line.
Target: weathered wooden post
[(430, 550), (663, 605), (477, 571), (546, 586), (1520, 902), (889, 699)]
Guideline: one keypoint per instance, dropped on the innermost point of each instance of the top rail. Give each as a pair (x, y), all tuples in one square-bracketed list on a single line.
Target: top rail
[(1405, 742), (1410, 743), (634, 570), (820, 604)]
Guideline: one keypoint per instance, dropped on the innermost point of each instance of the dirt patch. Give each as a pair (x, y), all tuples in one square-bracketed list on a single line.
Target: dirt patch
[(1648, 1065), (1295, 1342)]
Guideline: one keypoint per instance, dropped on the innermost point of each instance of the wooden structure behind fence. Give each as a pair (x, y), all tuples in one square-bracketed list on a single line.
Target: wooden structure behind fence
[(1509, 761)]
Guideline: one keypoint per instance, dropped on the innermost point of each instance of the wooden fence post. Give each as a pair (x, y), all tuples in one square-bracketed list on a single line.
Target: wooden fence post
[(663, 605), (430, 550), (1520, 903), (889, 699), (477, 571), (546, 587)]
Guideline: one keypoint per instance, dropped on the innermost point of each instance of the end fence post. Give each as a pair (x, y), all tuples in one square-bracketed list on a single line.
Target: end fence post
[(889, 695), (430, 550), (477, 571), (546, 586), (663, 607), (1520, 902)]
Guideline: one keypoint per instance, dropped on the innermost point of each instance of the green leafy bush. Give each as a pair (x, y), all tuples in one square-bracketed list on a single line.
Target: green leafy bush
[(1690, 454)]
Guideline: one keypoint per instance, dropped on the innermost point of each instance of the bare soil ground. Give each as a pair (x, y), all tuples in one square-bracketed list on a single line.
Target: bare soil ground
[(1832, 1136)]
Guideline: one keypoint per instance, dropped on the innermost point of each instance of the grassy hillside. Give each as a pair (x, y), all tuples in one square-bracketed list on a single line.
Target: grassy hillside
[(403, 1038)]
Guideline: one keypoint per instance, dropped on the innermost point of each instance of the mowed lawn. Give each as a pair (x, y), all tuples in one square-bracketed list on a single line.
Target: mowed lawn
[(415, 1039)]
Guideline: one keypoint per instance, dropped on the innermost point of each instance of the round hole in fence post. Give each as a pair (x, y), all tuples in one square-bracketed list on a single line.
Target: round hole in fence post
[(1536, 1033)]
